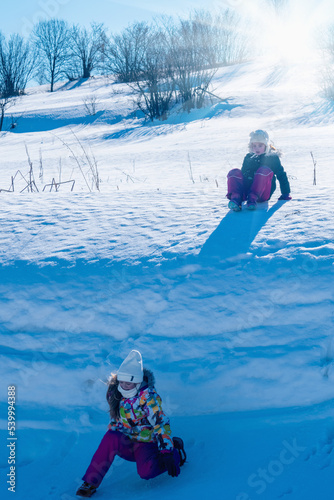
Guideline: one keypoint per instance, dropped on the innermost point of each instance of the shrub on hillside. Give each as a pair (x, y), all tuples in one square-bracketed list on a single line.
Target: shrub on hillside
[(16, 65)]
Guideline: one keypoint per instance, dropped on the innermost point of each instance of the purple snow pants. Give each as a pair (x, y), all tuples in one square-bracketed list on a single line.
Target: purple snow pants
[(259, 190), (116, 443)]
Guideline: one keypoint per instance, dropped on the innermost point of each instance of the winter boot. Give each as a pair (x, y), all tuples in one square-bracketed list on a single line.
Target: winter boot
[(86, 490), (251, 205), (179, 446), (251, 201), (234, 205)]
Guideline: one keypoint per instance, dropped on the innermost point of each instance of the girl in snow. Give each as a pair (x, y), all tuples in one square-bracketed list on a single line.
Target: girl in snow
[(139, 431), (256, 181)]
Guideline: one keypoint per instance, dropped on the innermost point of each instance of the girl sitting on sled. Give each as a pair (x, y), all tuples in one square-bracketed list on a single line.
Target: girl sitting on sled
[(256, 181)]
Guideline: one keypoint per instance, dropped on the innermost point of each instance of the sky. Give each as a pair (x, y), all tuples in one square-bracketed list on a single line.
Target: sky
[(21, 15), (289, 35)]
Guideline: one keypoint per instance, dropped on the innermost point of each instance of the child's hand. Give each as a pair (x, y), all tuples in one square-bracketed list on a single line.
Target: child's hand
[(285, 197)]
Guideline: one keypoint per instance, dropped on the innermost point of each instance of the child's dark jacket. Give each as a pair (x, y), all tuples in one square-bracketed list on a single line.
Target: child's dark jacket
[(251, 164)]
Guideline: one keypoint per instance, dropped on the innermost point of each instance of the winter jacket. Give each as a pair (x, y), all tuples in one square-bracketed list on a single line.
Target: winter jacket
[(251, 164), (141, 417)]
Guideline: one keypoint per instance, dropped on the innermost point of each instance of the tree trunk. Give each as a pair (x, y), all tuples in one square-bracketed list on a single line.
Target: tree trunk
[(85, 71), (2, 117)]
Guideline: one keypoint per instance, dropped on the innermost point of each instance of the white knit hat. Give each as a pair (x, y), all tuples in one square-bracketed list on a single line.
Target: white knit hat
[(259, 136), (131, 370)]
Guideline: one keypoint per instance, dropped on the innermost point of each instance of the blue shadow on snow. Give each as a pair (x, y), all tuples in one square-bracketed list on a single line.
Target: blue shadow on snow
[(236, 231), (28, 124), (175, 121)]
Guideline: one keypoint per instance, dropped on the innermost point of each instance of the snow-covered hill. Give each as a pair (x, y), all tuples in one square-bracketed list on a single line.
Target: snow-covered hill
[(232, 311)]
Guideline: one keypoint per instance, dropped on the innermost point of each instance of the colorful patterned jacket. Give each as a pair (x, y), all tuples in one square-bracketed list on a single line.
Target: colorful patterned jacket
[(141, 417)]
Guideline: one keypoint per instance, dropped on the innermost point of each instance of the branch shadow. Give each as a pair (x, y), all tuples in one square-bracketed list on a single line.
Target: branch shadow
[(73, 84), (236, 232), (42, 123)]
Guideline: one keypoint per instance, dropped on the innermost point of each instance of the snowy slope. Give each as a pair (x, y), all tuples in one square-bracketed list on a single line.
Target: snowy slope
[(232, 312)]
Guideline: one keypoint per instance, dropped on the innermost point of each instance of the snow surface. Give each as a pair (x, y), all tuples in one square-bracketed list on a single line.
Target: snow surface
[(232, 311)]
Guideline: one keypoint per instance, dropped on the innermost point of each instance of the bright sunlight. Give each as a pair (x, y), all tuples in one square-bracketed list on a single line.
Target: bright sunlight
[(287, 34)]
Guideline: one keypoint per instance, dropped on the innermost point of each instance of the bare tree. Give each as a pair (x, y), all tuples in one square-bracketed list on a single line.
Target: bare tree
[(278, 5), (51, 39), (123, 54), (217, 39), (153, 84), (188, 64), (195, 36), (326, 42), (5, 103), (85, 50), (210, 40), (231, 40), (16, 65), (90, 103), (175, 60)]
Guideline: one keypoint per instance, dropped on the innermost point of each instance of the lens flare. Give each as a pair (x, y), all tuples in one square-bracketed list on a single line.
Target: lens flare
[(290, 40), (286, 31)]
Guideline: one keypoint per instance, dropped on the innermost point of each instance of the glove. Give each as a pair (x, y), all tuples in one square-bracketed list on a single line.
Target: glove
[(285, 197), (167, 462)]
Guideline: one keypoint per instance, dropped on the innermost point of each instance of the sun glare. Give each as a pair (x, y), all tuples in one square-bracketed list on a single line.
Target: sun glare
[(289, 40), (286, 34)]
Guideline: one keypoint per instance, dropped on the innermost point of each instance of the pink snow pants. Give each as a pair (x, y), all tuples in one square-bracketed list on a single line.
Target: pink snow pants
[(116, 443), (260, 189)]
